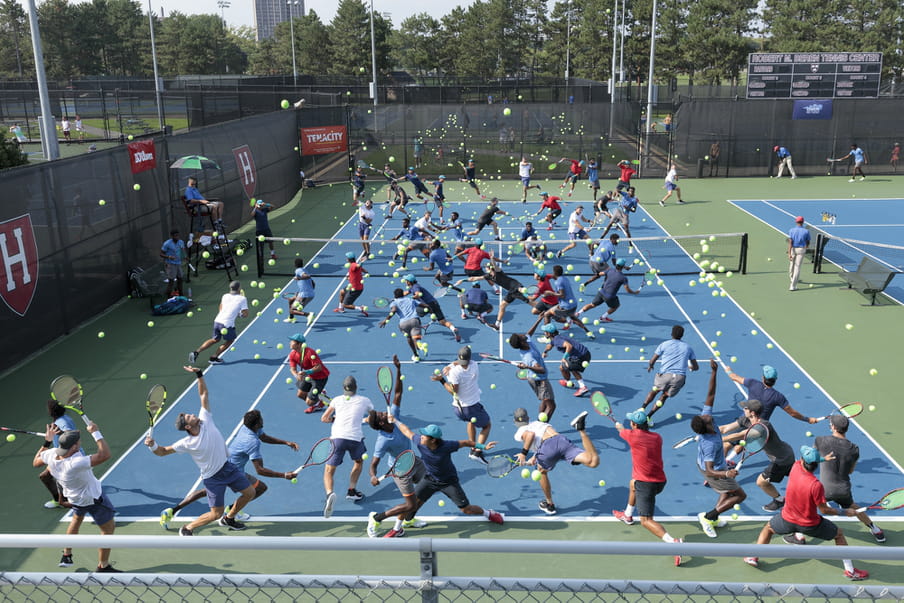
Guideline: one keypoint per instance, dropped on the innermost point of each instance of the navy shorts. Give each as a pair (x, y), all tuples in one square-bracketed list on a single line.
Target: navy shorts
[(218, 332), (309, 387), (776, 473), (554, 449), (436, 311), (474, 271), (581, 234), (645, 497), (575, 363), (266, 232), (670, 186), (352, 295), (553, 214), (427, 487), (824, 530), (228, 476), (364, 229), (612, 302), (525, 182), (340, 446), (101, 511), (475, 411)]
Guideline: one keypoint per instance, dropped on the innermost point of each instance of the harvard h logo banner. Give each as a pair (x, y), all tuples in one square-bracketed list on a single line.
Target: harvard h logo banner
[(244, 163), (18, 263)]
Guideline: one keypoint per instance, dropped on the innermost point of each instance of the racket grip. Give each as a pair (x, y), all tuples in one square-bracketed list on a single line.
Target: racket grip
[(739, 465), (86, 419), (381, 478), (297, 471), (822, 418), (862, 509)]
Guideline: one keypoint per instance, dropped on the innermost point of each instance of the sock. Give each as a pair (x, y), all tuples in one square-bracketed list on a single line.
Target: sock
[(731, 455), (712, 515), (668, 538), (629, 510), (380, 516), (452, 328), (581, 383), (486, 513), (848, 565), (780, 499), (874, 528), (398, 523)]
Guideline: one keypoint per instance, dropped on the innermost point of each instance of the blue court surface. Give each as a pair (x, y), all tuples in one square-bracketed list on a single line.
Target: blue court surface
[(869, 227), (255, 376)]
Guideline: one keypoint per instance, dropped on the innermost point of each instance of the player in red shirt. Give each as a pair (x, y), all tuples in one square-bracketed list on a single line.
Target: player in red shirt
[(805, 499), (647, 475), (310, 373), (574, 173), (555, 210), (350, 294), (625, 173), (474, 257), (545, 298)]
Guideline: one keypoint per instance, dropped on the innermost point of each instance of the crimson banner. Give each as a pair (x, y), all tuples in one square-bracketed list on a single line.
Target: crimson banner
[(142, 156), (323, 140)]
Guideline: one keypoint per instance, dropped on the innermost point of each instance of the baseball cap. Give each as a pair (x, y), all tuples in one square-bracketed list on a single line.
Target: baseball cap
[(755, 406), (810, 455), (431, 431), (769, 372), (839, 422), (620, 262), (544, 194), (441, 177), (351, 255), (235, 286), (410, 169), (799, 219), (775, 148), (541, 272), (350, 384), (478, 242), (464, 353), (638, 416), (521, 417), (297, 337), (68, 440), (550, 328), (409, 278)]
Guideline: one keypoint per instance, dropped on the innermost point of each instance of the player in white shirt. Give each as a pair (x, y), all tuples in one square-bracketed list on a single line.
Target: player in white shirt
[(525, 169), (346, 413), (671, 185), (207, 448), (576, 230), (232, 305), (365, 224), (73, 472), (460, 380)]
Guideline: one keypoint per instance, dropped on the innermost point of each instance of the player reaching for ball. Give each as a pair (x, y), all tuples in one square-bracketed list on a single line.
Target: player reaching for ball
[(647, 475), (440, 473), (576, 230), (550, 202), (391, 442), (613, 279), (365, 225), (246, 446), (549, 447), (232, 305), (474, 257), (409, 322), (63, 423), (677, 356), (565, 311), (512, 287), (476, 302), (486, 219), (414, 179), (538, 376), (74, 473), (711, 462), (575, 358), (621, 215), (349, 294), (471, 176), (311, 375), (433, 308), (602, 258), (305, 295), (574, 173), (525, 170), (207, 448), (461, 380)]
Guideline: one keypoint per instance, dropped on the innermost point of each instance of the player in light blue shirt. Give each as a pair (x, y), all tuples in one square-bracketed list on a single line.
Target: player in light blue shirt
[(538, 375), (859, 159), (409, 321), (676, 356), (593, 177), (798, 241), (305, 295), (603, 258)]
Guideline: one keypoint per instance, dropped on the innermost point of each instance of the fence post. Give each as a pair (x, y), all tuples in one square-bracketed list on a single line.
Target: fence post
[(428, 571)]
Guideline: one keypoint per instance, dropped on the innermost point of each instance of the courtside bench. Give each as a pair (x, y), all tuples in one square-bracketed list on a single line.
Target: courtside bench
[(870, 278)]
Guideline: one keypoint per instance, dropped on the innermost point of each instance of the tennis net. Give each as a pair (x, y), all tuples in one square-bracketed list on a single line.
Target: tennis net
[(847, 253)]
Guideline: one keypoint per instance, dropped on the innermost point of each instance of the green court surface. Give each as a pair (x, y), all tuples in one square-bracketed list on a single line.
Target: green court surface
[(808, 324)]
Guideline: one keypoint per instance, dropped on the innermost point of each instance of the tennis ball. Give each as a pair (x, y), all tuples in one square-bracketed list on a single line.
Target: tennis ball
[(364, 456), (136, 187), (809, 434), (316, 264), (244, 268), (506, 111), (257, 356), (769, 346), (536, 475), (11, 437), (737, 507), (101, 202), (525, 473), (678, 415), (658, 403), (441, 503), (288, 380), (101, 335), (753, 331), (569, 384), (143, 376), (150, 323), (284, 104), (873, 372), (602, 482), (473, 419), (585, 364), (205, 255), (733, 359), (734, 516), (131, 137), (872, 407), (411, 388), (543, 417), (348, 329), (294, 480), (492, 386), (223, 331), (742, 442), (796, 385), (391, 159)]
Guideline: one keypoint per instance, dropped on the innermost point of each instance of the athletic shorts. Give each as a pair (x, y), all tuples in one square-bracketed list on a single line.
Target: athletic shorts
[(595, 183), (554, 449), (622, 184), (824, 530), (443, 278), (438, 200), (613, 302), (645, 497), (228, 476), (474, 272), (428, 486), (542, 306), (564, 313), (474, 411), (411, 327), (101, 511), (472, 184), (670, 186), (479, 309), (352, 295), (304, 301), (597, 268), (436, 312), (266, 232), (513, 294), (308, 387), (525, 182), (721, 484), (359, 188), (581, 234), (774, 474), (354, 448), (406, 484), (218, 332), (542, 389), (844, 500), (553, 214), (575, 364), (173, 271), (620, 215), (364, 229), (670, 383)]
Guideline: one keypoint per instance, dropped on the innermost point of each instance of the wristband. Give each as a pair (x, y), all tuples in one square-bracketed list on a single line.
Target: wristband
[(98, 436), (199, 375), (524, 451), (442, 380), (479, 446), (47, 444), (156, 446)]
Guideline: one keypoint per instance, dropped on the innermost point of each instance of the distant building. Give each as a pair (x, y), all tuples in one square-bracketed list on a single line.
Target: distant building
[(269, 13)]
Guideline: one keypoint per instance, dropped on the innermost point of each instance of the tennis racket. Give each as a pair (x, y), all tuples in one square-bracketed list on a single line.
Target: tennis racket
[(154, 404), (495, 358), (850, 411), (518, 248), (68, 392), (649, 277), (601, 405), (365, 166), (11, 430), (501, 465), (384, 382), (754, 440), (530, 290), (892, 500), (320, 452), (552, 166), (402, 465), (381, 302), (684, 442), (441, 292)]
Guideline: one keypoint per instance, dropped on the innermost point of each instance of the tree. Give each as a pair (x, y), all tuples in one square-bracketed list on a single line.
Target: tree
[(717, 43), (10, 153), (15, 39), (55, 20), (413, 45), (349, 32)]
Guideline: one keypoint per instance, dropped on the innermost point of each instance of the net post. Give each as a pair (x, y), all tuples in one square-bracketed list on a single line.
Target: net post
[(259, 252), (428, 571), (744, 244), (821, 241)]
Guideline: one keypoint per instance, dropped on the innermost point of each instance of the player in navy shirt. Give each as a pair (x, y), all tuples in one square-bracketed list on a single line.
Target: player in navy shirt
[(438, 197), (593, 177), (575, 355), (471, 177), (602, 259), (475, 301), (608, 293), (414, 179)]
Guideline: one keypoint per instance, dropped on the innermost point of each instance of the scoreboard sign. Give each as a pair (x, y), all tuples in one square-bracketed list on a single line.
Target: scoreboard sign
[(814, 75)]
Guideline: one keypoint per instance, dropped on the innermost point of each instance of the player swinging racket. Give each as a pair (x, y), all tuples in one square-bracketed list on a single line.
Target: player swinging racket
[(647, 475), (549, 447), (349, 295), (525, 170), (575, 358), (345, 413), (461, 380), (305, 285), (391, 443), (409, 322), (565, 311), (538, 375), (614, 279), (574, 173), (677, 356), (550, 202), (471, 176), (486, 219), (63, 423), (602, 258), (205, 444), (311, 375), (365, 224), (433, 308), (246, 446)]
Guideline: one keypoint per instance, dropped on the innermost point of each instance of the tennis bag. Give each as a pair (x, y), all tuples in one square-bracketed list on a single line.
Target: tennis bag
[(174, 305)]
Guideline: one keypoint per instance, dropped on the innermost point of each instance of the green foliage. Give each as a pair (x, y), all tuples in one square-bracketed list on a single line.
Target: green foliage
[(15, 40), (10, 153)]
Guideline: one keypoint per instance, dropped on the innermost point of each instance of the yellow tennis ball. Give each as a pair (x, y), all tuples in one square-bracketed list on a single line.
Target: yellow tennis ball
[(11, 437), (294, 480), (737, 507), (570, 384), (257, 356), (101, 202), (150, 323), (602, 482), (742, 442), (543, 417), (136, 187), (143, 376), (525, 473), (289, 380), (734, 516), (678, 415), (873, 372), (506, 111), (658, 403), (364, 456), (101, 335), (536, 475), (224, 331), (796, 385), (809, 434), (391, 159), (753, 331), (205, 254), (492, 386), (441, 503), (872, 407), (733, 359), (473, 419)]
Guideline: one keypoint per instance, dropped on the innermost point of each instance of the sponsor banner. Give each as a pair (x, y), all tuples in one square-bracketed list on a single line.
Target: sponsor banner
[(323, 140), (142, 156), (812, 109), (244, 163), (18, 263)]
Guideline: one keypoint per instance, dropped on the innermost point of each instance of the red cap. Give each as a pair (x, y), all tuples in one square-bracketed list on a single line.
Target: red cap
[(799, 219), (775, 148)]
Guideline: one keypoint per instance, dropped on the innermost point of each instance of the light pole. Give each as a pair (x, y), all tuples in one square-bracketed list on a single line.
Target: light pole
[(650, 73), (50, 144), (223, 5), (373, 60), (290, 4), (157, 83), (567, 45)]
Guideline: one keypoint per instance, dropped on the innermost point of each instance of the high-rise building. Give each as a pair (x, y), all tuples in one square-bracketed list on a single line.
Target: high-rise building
[(269, 13)]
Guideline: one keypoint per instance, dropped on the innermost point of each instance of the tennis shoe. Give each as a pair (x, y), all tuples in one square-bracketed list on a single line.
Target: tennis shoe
[(625, 519), (364, 312), (548, 508), (354, 495), (605, 318), (678, 558), (496, 517), (879, 535), (328, 507), (851, 180), (581, 391), (477, 455), (773, 505), (793, 539), (856, 574), (340, 309), (165, 517), (231, 523), (66, 560), (680, 201), (184, 531), (372, 525), (457, 336), (192, 356), (579, 421), (52, 504), (241, 515), (414, 522), (215, 360), (107, 569), (719, 523), (753, 561), (564, 383), (464, 316), (707, 525), (862, 178), (662, 203), (310, 318), (394, 533), (315, 407)]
